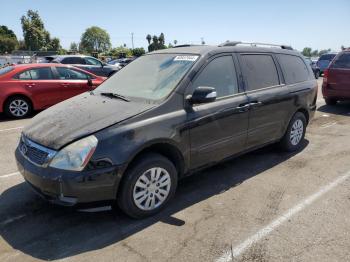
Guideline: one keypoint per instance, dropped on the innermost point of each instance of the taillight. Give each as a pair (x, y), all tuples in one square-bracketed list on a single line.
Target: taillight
[(325, 76)]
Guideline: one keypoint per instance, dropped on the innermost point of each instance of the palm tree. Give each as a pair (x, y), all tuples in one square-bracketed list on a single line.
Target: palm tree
[(175, 42), (149, 38), (161, 39)]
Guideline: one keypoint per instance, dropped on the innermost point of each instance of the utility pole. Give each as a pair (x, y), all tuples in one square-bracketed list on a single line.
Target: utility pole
[(132, 40)]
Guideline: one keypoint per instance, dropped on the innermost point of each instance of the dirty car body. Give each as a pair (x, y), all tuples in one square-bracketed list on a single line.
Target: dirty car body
[(159, 117)]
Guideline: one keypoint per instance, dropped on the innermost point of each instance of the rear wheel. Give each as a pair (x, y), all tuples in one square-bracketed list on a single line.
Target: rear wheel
[(295, 133), (148, 186), (18, 107), (330, 101)]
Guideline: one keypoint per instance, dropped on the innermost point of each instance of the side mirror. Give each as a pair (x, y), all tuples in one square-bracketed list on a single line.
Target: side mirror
[(89, 82), (203, 94)]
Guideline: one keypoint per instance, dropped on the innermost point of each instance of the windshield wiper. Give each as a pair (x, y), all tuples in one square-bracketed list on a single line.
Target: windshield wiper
[(115, 95)]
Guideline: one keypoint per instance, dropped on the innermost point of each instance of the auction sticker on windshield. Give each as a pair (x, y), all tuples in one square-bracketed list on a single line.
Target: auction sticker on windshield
[(191, 58)]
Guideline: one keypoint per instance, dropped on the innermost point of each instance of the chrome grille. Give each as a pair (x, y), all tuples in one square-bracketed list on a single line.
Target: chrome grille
[(34, 152)]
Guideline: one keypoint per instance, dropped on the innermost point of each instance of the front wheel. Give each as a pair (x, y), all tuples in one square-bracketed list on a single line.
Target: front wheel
[(148, 186), (295, 133)]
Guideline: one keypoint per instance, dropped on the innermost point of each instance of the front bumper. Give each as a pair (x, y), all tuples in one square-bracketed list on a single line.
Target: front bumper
[(69, 188)]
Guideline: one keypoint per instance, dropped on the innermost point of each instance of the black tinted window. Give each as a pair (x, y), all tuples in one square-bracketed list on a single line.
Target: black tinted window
[(260, 71), (220, 74), (36, 74), (70, 74), (73, 60), (343, 61), (294, 69)]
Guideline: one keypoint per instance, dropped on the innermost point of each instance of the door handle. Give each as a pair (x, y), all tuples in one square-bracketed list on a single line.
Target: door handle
[(243, 108), (255, 103), (30, 85)]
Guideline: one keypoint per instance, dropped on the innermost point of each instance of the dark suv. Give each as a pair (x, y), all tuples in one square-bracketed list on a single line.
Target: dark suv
[(164, 116), (87, 63)]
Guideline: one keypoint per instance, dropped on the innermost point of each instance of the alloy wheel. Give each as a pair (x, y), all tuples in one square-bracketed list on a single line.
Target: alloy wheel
[(18, 107)]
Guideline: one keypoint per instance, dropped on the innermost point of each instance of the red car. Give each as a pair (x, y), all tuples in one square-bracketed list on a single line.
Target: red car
[(28, 87), (336, 80)]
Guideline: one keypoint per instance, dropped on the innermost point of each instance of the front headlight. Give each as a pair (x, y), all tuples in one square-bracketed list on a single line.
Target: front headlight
[(76, 155)]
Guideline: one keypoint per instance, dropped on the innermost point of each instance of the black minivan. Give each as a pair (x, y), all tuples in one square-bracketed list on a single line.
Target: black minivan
[(167, 114)]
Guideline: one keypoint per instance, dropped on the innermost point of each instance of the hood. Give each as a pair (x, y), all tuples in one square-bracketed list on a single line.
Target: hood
[(78, 117)]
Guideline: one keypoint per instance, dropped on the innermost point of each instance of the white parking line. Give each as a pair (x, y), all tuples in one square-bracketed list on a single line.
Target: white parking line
[(262, 233), (9, 129), (9, 175), (328, 125)]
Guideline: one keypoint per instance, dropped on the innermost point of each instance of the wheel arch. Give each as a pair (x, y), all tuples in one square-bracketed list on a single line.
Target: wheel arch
[(17, 95)]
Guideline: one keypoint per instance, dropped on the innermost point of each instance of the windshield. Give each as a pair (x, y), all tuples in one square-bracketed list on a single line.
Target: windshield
[(5, 70), (150, 77)]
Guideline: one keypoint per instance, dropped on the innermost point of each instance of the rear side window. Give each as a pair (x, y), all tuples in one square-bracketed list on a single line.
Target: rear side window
[(44, 73), (260, 71), (92, 61), (220, 74), (327, 57), (73, 60), (294, 69), (343, 61)]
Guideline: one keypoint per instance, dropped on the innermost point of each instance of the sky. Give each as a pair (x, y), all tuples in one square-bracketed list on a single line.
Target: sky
[(299, 23)]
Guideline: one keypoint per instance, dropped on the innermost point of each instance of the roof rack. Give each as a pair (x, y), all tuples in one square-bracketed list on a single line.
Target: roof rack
[(235, 43)]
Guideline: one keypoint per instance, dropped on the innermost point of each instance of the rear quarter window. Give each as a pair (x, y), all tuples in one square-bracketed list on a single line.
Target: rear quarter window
[(294, 68)]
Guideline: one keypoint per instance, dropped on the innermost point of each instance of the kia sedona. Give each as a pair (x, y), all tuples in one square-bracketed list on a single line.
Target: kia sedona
[(336, 80), (28, 87), (164, 116)]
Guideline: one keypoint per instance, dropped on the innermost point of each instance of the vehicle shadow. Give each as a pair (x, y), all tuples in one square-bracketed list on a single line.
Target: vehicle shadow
[(48, 232), (341, 108)]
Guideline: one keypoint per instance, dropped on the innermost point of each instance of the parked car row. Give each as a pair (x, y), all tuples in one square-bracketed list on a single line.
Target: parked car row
[(130, 140), (29, 87)]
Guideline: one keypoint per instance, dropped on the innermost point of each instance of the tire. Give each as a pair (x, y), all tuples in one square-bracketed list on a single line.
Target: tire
[(297, 125), (18, 107), (137, 194), (330, 101)]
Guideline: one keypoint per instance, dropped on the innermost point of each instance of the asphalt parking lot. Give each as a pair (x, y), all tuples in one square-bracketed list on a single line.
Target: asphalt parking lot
[(264, 206)]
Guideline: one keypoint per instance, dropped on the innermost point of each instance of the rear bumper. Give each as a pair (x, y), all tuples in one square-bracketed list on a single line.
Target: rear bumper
[(69, 188), (334, 93)]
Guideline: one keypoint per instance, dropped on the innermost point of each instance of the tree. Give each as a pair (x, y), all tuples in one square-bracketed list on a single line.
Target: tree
[(8, 40), (314, 53), (35, 35), (161, 39), (170, 45), (322, 52), (157, 43), (138, 51), (95, 39), (149, 38), (73, 47), (307, 51), (54, 45), (175, 42)]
